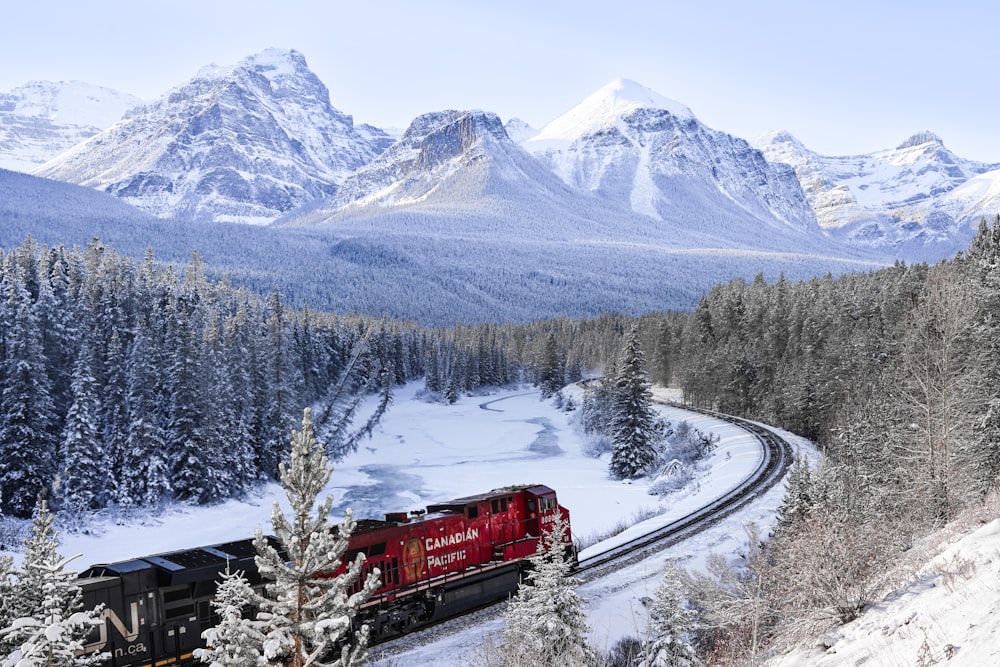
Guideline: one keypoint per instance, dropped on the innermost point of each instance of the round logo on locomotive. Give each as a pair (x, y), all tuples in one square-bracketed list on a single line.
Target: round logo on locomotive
[(414, 559)]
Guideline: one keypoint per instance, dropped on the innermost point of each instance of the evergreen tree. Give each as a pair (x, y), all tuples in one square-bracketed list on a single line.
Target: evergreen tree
[(189, 451), (28, 442), (546, 620), (83, 469), (144, 476), (634, 427), (49, 627), (550, 374), (8, 600), (797, 501), (306, 614), (672, 623), (984, 260), (236, 641)]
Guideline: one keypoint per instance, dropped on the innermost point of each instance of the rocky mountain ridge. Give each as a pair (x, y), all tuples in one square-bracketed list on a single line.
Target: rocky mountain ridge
[(260, 140), (918, 195), (244, 143)]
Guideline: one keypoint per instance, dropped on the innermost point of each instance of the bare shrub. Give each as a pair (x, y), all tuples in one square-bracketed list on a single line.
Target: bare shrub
[(827, 572)]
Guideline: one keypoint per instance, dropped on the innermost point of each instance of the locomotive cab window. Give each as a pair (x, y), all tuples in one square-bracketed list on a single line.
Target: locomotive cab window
[(472, 511)]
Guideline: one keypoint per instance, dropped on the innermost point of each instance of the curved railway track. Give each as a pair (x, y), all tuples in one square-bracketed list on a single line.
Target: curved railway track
[(777, 456)]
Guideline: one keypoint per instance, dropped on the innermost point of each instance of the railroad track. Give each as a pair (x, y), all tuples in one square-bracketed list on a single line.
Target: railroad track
[(777, 457), (776, 460)]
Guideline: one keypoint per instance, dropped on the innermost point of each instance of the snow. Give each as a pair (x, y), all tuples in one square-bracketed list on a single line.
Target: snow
[(431, 452), (602, 109), (947, 612), (425, 453)]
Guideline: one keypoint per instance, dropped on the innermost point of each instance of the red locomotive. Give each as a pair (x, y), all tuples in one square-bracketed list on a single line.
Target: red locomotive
[(434, 564)]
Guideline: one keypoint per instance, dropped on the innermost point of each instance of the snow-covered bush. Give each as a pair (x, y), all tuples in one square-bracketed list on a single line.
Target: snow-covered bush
[(673, 476), (596, 446), (687, 444)]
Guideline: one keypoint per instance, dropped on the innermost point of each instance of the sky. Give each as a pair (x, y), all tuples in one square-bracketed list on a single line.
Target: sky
[(846, 77)]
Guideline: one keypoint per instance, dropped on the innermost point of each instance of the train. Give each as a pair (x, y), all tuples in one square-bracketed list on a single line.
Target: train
[(434, 563)]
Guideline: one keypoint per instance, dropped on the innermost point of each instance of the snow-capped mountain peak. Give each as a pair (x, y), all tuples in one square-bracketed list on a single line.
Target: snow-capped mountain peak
[(243, 143), (603, 109), (911, 197), (919, 139), (41, 119), (629, 144)]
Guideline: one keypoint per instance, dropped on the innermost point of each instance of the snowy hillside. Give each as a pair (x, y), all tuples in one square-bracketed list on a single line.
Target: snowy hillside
[(407, 265), (42, 119), (909, 200), (243, 143), (630, 145), (945, 614)]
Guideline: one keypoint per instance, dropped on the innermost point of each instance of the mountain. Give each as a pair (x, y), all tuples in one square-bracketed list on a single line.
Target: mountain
[(453, 221), (243, 143), (628, 144), (456, 216), (917, 200), (42, 119)]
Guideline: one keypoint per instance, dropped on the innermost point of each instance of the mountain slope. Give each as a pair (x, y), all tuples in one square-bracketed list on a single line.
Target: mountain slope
[(244, 143), (457, 211), (628, 144), (906, 200), (42, 119)]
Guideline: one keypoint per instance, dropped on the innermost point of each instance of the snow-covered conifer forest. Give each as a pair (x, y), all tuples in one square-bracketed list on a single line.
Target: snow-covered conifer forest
[(130, 385)]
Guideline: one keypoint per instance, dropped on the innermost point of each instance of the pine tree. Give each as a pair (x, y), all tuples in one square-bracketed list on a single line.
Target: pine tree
[(83, 467), (144, 477), (8, 600), (672, 622), (236, 641), (546, 620), (306, 615), (984, 257), (550, 374), (797, 501), (28, 442), (635, 429), (49, 627)]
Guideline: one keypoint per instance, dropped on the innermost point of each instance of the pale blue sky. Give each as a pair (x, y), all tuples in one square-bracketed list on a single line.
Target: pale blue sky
[(846, 77)]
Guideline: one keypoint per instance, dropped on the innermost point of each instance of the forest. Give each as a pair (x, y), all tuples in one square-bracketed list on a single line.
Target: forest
[(128, 384)]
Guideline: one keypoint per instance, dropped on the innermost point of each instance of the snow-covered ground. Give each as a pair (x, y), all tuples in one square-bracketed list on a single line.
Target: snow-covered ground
[(430, 452), (947, 613)]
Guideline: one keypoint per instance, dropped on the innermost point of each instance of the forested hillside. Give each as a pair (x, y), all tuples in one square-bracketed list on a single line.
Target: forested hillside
[(895, 374), (128, 384)]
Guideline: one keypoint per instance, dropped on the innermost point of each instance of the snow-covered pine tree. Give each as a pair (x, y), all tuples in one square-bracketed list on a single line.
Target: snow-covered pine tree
[(797, 501), (49, 626), (550, 372), (28, 440), (984, 257), (236, 641), (546, 620), (671, 624), (306, 615), (635, 429), (83, 467), (8, 600)]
